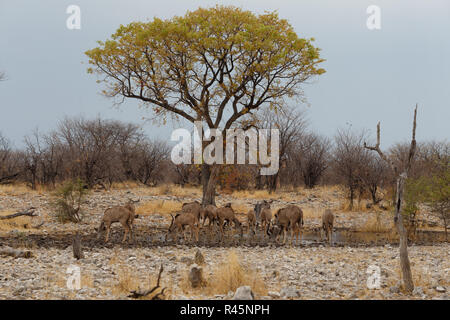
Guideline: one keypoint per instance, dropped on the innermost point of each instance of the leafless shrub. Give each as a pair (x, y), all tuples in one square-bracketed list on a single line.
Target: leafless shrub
[(350, 158), (9, 168), (310, 158)]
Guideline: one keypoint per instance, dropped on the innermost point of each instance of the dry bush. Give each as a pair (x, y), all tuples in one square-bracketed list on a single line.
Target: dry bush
[(225, 276), (232, 274)]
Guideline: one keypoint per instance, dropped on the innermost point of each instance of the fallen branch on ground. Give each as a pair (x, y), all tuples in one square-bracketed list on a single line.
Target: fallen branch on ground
[(7, 251), (138, 294), (29, 212)]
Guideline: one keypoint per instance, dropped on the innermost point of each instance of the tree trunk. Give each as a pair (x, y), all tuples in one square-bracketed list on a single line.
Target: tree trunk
[(352, 196), (209, 175), (258, 183), (273, 182), (445, 225), (398, 219), (76, 246)]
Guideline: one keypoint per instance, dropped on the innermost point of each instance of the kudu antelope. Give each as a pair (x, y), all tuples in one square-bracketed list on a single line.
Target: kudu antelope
[(263, 215), (210, 212), (251, 221), (290, 217), (226, 215), (180, 221), (123, 214), (193, 207), (327, 225)]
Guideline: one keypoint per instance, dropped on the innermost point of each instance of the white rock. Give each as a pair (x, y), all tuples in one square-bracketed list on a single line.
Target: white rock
[(440, 289), (289, 292), (243, 293)]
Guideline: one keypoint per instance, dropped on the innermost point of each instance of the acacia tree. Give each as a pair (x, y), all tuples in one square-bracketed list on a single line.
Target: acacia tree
[(213, 65)]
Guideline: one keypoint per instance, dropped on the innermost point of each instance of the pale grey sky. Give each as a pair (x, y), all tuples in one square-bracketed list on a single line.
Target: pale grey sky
[(371, 75)]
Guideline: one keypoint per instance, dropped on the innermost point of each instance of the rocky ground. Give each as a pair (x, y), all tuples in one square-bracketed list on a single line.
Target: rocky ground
[(307, 271), (298, 273)]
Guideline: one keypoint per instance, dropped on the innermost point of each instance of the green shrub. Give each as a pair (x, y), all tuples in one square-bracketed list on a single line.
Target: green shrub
[(68, 200)]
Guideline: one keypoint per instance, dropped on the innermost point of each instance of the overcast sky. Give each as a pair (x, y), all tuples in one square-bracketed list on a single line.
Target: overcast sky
[(371, 74)]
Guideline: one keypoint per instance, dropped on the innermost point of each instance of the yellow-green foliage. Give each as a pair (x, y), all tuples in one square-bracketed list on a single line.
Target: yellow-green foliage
[(189, 54)]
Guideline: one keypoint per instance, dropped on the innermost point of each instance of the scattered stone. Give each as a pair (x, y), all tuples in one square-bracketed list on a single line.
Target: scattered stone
[(243, 293), (418, 291), (274, 294), (394, 289), (196, 276), (187, 260), (289, 293), (440, 289)]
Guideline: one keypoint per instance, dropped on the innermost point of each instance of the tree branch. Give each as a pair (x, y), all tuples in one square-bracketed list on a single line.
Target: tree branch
[(29, 212), (137, 294)]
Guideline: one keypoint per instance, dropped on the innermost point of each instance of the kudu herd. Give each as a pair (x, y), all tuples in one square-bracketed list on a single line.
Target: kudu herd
[(194, 216)]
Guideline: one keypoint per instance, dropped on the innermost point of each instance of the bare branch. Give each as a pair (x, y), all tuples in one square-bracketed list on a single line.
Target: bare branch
[(412, 148), (378, 150), (29, 212), (137, 294)]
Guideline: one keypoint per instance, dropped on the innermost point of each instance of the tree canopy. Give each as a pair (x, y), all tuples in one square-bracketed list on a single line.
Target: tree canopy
[(206, 64)]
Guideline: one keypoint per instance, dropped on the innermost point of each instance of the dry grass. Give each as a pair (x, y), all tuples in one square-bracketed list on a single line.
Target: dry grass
[(128, 281), (159, 207), (20, 188), (310, 213), (291, 194), (17, 189), (252, 194), (232, 274), (358, 206), (376, 223), (241, 208), (226, 276), (174, 190), (126, 185), (19, 223), (87, 280)]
